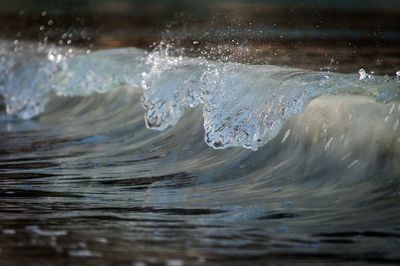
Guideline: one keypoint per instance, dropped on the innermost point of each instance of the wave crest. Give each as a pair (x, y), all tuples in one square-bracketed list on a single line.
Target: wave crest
[(243, 105)]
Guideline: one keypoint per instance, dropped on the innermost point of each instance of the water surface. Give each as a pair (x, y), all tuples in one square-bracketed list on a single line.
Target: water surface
[(194, 156)]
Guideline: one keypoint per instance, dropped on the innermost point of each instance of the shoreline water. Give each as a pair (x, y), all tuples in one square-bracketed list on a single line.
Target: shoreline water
[(84, 181)]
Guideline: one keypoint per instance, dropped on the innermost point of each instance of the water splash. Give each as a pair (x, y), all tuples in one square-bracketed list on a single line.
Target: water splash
[(243, 105), (363, 74)]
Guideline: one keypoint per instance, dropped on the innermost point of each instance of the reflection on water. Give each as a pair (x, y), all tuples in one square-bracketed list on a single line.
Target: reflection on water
[(87, 183), (103, 189)]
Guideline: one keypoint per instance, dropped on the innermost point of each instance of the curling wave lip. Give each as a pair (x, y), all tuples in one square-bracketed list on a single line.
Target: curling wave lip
[(243, 105)]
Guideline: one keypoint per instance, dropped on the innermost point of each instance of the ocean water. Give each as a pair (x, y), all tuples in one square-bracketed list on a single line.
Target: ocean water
[(132, 156)]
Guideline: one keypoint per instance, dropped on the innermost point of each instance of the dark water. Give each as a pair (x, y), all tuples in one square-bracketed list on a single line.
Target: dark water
[(103, 189), (248, 165)]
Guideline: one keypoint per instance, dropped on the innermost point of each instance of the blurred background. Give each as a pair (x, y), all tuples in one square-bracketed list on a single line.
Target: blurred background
[(331, 35)]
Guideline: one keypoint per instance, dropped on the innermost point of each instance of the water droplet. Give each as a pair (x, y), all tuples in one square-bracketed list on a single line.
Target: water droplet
[(324, 80), (363, 74)]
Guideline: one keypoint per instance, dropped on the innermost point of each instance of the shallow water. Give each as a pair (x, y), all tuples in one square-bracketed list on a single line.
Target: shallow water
[(87, 179), (157, 157)]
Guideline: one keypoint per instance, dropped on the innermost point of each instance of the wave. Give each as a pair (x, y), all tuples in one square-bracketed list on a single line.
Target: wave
[(241, 105), (86, 164)]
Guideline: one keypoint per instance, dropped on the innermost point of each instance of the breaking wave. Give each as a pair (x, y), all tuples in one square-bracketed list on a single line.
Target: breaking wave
[(81, 170), (242, 105)]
